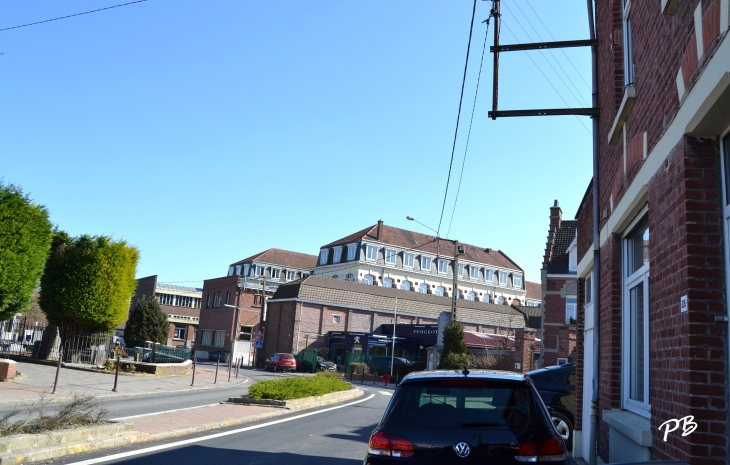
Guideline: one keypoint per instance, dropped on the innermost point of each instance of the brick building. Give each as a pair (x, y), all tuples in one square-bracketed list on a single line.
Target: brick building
[(306, 313), (533, 294), (559, 288), (382, 255), (658, 308), (247, 282), (180, 303)]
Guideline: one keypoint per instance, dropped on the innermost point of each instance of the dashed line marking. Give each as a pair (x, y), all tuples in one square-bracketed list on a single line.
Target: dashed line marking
[(386, 393)]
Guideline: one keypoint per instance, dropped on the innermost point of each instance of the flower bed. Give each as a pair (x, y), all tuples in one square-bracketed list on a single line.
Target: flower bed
[(296, 387)]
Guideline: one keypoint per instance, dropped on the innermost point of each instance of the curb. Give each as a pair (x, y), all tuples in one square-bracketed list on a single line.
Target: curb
[(62, 450)]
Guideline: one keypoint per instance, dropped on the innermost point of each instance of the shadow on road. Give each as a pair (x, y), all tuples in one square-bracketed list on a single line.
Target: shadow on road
[(359, 435), (215, 456)]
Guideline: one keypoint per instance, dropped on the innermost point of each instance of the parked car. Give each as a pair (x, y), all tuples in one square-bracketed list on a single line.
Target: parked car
[(325, 365), (381, 365), (447, 417), (556, 386), (281, 362)]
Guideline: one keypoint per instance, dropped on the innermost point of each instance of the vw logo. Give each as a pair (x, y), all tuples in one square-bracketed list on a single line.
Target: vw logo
[(462, 449)]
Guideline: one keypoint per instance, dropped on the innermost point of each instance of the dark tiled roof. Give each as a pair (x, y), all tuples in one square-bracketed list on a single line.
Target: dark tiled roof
[(352, 294), (563, 237), (426, 243), (283, 258), (534, 290), (534, 316)]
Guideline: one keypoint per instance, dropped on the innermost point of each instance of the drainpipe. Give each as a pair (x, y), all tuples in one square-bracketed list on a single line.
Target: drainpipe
[(595, 282), (299, 325)]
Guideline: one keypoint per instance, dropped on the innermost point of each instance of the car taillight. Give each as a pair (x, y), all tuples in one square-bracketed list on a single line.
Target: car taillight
[(390, 445), (549, 450)]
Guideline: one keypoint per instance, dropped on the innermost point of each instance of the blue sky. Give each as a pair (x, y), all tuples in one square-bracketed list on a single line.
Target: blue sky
[(205, 132)]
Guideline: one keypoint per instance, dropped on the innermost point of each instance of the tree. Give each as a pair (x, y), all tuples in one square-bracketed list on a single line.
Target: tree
[(454, 353), (25, 239), (87, 283), (147, 322)]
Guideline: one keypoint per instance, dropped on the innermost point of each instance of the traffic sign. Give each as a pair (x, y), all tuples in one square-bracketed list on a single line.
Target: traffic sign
[(259, 345)]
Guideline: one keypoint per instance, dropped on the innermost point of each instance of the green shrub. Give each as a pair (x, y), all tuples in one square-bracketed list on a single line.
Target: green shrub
[(330, 374), (297, 387), (455, 361)]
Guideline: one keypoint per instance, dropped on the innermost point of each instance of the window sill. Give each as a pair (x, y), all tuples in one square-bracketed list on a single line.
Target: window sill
[(631, 425), (624, 110)]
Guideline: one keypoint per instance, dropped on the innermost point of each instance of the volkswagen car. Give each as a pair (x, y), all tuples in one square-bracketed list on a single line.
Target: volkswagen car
[(556, 385), (478, 417)]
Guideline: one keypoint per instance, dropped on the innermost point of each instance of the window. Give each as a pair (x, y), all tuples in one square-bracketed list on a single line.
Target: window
[(231, 269), (323, 256), (336, 319), (473, 272), (337, 255), (502, 278), (423, 288), (246, 269), (180, 332), (488, 275), (372, 253), (440, 291), (207, 337), (458, 294), (562, 361), (275, 273), (228, 298), (257, 301), (350, 277), (443, 266), (291, 275), (217, 299), (368, 279), (387, 282), (238, 270), (486, 298), (406, 286), (426, 263), (571, 303), (258, 270), (461, 270), (628, 45), (635, 319), (207, 303), (589, 288), (390, 256), (517, 280), (499, 300), (471, 296), (351, 249), (220, 339), (408, 260)]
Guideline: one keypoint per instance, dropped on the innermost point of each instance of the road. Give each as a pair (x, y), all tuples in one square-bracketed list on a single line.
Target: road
[(334, 435)]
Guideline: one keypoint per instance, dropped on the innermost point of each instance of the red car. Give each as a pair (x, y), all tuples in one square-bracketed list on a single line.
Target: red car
[(281, 362)]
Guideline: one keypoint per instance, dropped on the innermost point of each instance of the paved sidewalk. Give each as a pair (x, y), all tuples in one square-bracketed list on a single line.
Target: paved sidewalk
[(37, 379)]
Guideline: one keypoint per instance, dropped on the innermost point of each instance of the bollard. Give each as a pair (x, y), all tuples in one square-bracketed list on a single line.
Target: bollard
[(116, 375), (194, 360), (58, 368), (362, 381), (238, 365), (230, 368), (216, 368)]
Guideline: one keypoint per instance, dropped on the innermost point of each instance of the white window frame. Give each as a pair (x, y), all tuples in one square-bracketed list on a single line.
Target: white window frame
[(499, 300), (371, 253), (641, 275), (178, 331), (324, 256), (571, 308), (371, 279), (275, 273), (406, 283), (408, 260), (488, 276), (291, 275), (486, 298), (336, 319), (388, 282), (423, 288), (515, 279), (390, 255), (562, 361), (460, 274), (350, 277), (443, 266), (473, 272), (471, 296), (337, 255), (351, 251), (426, 261), (628, 45), (502, 274), (440, 291), (258, 270)]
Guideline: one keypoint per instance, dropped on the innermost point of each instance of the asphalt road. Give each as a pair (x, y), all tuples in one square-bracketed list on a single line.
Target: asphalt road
[(333, 435)]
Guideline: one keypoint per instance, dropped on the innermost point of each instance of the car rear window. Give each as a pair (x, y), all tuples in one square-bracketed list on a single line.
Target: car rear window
[(287, 356), (463, 403)]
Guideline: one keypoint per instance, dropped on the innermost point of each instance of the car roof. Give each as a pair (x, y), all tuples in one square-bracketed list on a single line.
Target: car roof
[(450, 374), (565, 366)]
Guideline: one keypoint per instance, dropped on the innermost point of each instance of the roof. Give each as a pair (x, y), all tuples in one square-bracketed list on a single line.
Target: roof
[(489, 374), (488, 341), (281, 257), (426, 243), (173, 288), (534, 316), (336, 292), (564, 236), (534, 290)]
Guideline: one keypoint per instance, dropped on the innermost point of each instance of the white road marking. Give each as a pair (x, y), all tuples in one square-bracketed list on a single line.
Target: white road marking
[(185, 442), (160, 413), (386, 393)]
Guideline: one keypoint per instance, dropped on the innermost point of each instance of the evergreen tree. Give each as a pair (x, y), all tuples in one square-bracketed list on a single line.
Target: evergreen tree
[(25, 239), (454, 353), (147, 322), (87, 283)]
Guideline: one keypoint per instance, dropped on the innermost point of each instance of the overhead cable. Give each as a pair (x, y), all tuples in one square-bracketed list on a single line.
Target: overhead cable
[(71, 16)]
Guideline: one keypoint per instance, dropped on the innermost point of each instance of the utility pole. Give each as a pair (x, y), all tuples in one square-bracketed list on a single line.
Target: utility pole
[(456, 274), (495, 77), (263, 308)]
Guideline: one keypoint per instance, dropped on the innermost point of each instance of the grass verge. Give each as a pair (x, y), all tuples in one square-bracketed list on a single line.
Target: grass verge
[(296, 387)]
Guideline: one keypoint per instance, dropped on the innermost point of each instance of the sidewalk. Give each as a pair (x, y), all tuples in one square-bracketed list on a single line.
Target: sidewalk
[(36, 379)]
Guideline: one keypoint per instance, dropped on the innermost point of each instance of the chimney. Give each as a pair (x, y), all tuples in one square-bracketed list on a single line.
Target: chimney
[(556, 216), (380, 229)]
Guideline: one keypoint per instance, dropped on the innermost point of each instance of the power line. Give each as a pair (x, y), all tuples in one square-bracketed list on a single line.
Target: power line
[(458, 115), (553, 37), (71, 16), (546, 78), (466, 148)]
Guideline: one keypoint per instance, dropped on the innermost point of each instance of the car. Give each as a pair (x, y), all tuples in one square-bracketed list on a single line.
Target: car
[(466, 417), (325, 365), (281, 362), (556, 385), (381, 365)]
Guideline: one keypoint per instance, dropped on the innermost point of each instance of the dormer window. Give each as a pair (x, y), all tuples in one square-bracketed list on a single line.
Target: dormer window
[(337, 256), (489, 276), (246, 269), (473, 272), (275, 273), (502, 278), (461, 270), (408, 260), (323, 256), (351, 249), (426, 263), (290, 275), (390, 256), (258, 270), (372, 253), (517, 281), (443, 266), (231, 270)]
